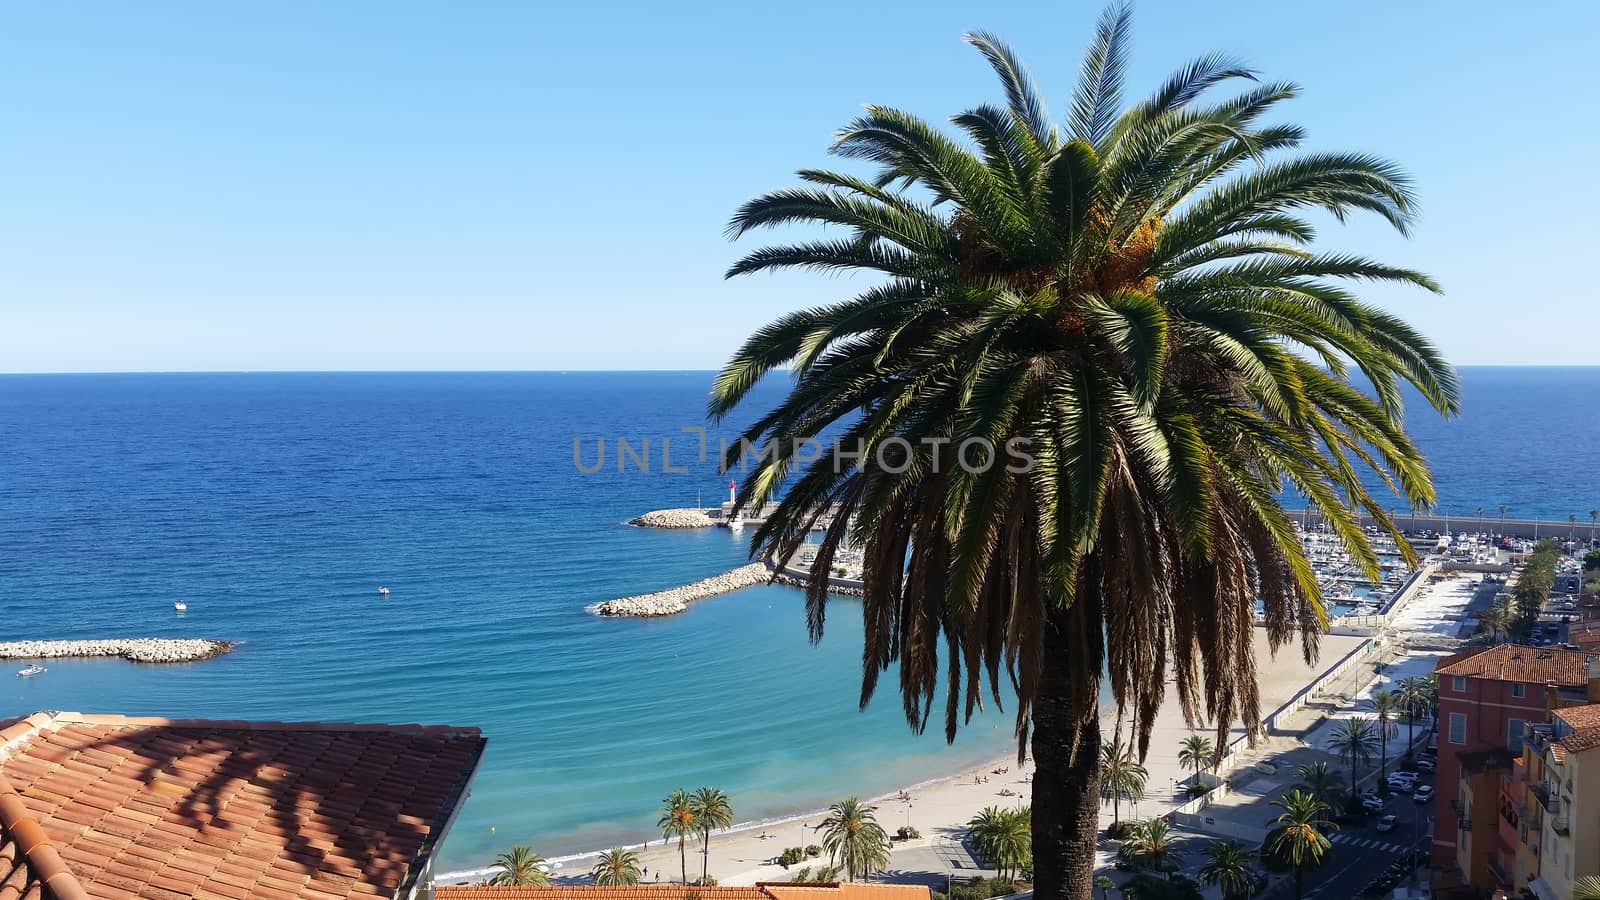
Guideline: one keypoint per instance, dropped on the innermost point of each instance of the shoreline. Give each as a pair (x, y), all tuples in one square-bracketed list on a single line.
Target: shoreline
[(138, 650), (941, 805)]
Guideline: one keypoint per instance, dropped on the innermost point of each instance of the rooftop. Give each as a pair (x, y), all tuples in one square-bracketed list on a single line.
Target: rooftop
[(159, 809), (846, 890), (1515, 662)]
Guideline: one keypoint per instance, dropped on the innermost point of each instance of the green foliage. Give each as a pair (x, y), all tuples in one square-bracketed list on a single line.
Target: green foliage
[(1134, 294), (1003, 838), (1149, 845), (1228, 867), (1321, 782), (979, 889), (1122, 776), (520, 867), (1538, 576), (813, 850), (907, 833), (854, 839), (677, 820), (790, 856), (1591, 560), (617, 867), (712, 810), (1147, 887)]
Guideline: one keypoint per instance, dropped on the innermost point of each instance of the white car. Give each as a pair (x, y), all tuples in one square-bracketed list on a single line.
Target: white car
[(1425, 764), (1423, 794), (1386, 823), (1405, 782)]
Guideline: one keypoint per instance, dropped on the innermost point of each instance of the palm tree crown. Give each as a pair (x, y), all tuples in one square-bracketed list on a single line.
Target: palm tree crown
[(854, 839), (1004, 837), (1196, 753), (677, 819), (616, 867), (1296, 839), (1355, 742), (1321, 782), (711, 810), (1122, 776), (520, 867), (1126, 312), (1228, 867)]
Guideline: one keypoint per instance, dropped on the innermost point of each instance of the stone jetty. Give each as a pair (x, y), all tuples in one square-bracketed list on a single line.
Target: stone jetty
[(676, 600), (674, 518), (144, 650)]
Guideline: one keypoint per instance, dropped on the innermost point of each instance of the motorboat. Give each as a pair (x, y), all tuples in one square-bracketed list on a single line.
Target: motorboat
[(35, 669), (383, 590), (179, 605)]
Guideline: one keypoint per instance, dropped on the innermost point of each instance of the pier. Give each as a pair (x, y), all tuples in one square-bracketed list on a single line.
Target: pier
[(1583, 531), (140, 650)]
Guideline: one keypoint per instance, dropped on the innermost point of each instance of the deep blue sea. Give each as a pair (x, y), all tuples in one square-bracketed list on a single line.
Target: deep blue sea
[(276, 504)]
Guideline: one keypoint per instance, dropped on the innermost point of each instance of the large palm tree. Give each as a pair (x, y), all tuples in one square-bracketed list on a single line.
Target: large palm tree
[(1105, 884), (1480, 520), (1413, 695), (1126, 311), (1386, 708), (1228, 867), (1321, 782), (1586, 888), (711, 811), (1197, 753), (616, 867), (1121, 776), (1594, 519), (1296, 839), (678, 820), (854, 839), (1353, 741), (520, 867)]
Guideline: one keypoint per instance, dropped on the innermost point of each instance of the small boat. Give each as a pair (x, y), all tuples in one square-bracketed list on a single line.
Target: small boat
[(30, 670), (737, 524), (179, 605), (383, 590)]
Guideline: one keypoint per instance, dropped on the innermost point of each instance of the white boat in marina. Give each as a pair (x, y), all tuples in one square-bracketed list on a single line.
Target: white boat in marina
[(179, 605), (383, 590), (31, 670)]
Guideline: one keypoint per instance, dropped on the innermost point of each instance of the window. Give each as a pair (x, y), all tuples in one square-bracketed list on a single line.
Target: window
[(1458, 728), (1514, 732), (1458, 683), (1518, 689)]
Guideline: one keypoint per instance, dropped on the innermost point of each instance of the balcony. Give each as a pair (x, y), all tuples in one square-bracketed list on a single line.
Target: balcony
[(1463, 823), (1548, 798), (1562, 824)]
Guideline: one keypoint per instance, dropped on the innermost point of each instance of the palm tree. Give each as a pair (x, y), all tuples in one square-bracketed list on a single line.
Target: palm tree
[(854, 839), (616, 867), (1586, 888), (1413, 694), (1196, 753), (1572, 526), (521, 867), (1125, 310), (1386, 707), (1150, 844), (1121, 775), (1321, 782), (1594, 519), (1353, 741), (711, 811), (1503, 509), (1004, 837), (1296, 840), (1228, 867), (1480, 520), (1105, 884), (678, 820)]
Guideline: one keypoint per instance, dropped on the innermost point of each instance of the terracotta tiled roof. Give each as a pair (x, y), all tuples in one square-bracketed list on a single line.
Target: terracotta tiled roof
[(762, 891), (1585, 635), (1581, 741), (158, 809), (1515, 662), (1581, 718)]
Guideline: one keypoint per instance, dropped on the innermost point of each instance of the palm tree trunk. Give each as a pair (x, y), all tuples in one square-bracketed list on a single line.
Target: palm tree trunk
[(1066, 784), (1299, 882), (1383, 750), (683, 863), (705, 857)]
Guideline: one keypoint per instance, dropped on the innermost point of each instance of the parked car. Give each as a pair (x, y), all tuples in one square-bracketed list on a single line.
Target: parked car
[(1372, 804), (1405, 782), (1423, 794), (1386, 823), (1426, 764)]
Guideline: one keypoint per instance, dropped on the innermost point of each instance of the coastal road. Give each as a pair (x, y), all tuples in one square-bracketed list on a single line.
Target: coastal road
[(1360, 853)]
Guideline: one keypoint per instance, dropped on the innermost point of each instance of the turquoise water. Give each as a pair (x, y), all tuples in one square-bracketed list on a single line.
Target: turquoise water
[(276, 504)]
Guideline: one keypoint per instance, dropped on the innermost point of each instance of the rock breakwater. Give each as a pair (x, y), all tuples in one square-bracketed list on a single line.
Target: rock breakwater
[(674, 518), (676, 600), (143, 650)]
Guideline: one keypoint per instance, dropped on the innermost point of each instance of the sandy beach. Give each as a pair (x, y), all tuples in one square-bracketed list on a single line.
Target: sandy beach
[(939, 809)]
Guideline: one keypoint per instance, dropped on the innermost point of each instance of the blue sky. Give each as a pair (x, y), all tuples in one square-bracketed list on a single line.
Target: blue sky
[(529, 186)]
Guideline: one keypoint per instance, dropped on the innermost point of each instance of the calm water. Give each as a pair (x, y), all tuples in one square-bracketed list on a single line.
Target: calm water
[(276, 504)]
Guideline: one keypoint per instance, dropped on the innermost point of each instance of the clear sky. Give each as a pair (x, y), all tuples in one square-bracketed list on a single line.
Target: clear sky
[(544, 186)]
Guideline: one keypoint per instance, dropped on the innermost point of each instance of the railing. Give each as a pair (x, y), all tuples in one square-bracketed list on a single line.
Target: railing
[(1561, 824), (1549, 799), (1463, 823)]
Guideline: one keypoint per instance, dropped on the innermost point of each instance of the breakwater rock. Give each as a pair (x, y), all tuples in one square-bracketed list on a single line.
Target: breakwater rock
[(834, 587), (144, 650), (674, 518), (676, 600)]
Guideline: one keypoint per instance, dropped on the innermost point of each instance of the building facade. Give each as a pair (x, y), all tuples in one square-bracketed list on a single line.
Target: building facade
[(1567, 786)]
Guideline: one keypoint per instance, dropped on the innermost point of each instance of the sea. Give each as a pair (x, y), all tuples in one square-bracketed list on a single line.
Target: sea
[(494, 507)]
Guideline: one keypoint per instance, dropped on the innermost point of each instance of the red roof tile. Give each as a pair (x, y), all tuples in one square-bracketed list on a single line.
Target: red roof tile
[(109, 806), (1514, 662)]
